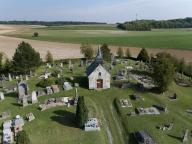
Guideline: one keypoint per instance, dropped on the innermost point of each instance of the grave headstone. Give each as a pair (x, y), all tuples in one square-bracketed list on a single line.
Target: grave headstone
[(185, 138), (70, 63), (21, 77), (9, 76), (26, 77), (31, 73), (81, 63), (2, 97), (61, 65), (67, 86), (46, 76), (22, 89), (48, 65), (34, 97), (17, 77), (49, 90), (24, 102)]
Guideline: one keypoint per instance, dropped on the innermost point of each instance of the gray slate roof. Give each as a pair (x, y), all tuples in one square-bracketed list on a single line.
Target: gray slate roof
[(98, 61)]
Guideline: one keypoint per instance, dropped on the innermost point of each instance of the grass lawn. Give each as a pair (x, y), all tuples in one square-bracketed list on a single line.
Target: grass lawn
[(99, 34), (57, 125)]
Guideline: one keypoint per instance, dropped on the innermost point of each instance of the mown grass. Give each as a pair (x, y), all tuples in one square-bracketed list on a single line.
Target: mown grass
[(57, 125), (176, 114), (94, 34)]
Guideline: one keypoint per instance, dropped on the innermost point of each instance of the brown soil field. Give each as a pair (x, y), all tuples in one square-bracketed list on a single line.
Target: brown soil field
[(65, 50)]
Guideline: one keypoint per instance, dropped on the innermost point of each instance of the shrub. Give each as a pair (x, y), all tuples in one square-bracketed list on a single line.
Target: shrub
[(46, 82), (22, 138)]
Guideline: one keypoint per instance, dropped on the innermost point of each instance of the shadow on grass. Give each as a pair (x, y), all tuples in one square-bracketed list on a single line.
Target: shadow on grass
[(13, 95), (65, 118), (175, 137), (82, 80), (17, 104), (132, 139)]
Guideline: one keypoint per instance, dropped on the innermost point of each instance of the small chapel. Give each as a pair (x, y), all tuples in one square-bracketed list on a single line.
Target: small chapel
[(98, 76)]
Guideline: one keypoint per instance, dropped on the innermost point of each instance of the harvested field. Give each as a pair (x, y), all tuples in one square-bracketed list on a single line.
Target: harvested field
[(67, 50)]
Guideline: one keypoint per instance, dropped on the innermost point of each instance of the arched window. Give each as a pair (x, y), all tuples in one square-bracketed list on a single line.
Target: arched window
[(99, 74)]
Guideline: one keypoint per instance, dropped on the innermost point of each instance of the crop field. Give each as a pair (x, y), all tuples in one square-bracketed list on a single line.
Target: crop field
[(99, 34)]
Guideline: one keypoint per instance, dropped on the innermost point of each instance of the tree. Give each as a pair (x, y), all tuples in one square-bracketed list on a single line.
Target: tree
[(128, 53), (7, 66), (35, 34), (25, 58), (87, 51), (22, 138), (163, 71), (81, 112), (120, 52), (1, 60), (49, 58), (106, 52), (143, 55)]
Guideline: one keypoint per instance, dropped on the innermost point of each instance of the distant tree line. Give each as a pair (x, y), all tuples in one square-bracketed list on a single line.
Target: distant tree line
[(147, 25), (48, 23)]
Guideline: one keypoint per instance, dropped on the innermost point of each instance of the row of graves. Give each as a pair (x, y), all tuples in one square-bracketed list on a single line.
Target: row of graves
[(60, 101), (12, 127), (156, 109), (25, 98), (142, 136)]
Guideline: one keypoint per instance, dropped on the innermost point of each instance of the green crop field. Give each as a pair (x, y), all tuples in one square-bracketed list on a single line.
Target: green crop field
[(99, 34), (57, 125)]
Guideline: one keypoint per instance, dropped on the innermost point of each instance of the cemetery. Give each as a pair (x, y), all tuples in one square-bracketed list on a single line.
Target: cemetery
[(51, 106)]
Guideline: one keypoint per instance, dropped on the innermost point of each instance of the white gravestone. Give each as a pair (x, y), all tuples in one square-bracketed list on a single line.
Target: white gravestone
[(26, 78), (2, 97), (34, 97), (10, 78), (61, 64)]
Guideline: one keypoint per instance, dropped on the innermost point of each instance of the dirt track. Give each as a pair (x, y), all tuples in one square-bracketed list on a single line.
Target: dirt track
[(64, 50)]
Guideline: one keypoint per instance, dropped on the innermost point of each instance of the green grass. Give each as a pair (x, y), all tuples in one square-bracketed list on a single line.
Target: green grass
[(176, 113), (57, 125), (99, 34)]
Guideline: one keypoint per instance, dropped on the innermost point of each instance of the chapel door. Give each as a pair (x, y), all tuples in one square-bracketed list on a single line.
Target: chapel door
[(99, 83)]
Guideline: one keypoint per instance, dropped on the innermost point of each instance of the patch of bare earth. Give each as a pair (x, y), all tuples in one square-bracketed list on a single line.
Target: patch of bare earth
[(8, 45)]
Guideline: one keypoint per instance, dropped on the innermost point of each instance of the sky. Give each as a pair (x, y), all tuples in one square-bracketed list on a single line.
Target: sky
[(110, 11)]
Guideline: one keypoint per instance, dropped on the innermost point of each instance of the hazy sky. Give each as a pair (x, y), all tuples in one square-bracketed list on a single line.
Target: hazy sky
[(94, 10)]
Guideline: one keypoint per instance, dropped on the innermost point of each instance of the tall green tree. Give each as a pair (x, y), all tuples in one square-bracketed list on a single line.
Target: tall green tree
[(49, 57), (163, 71), (128, 53), (120, 52), (25, 58), (7, 66), (143, 55), (81, 112), (87, 51), (106, 52), (1, 60), (22, 138)]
